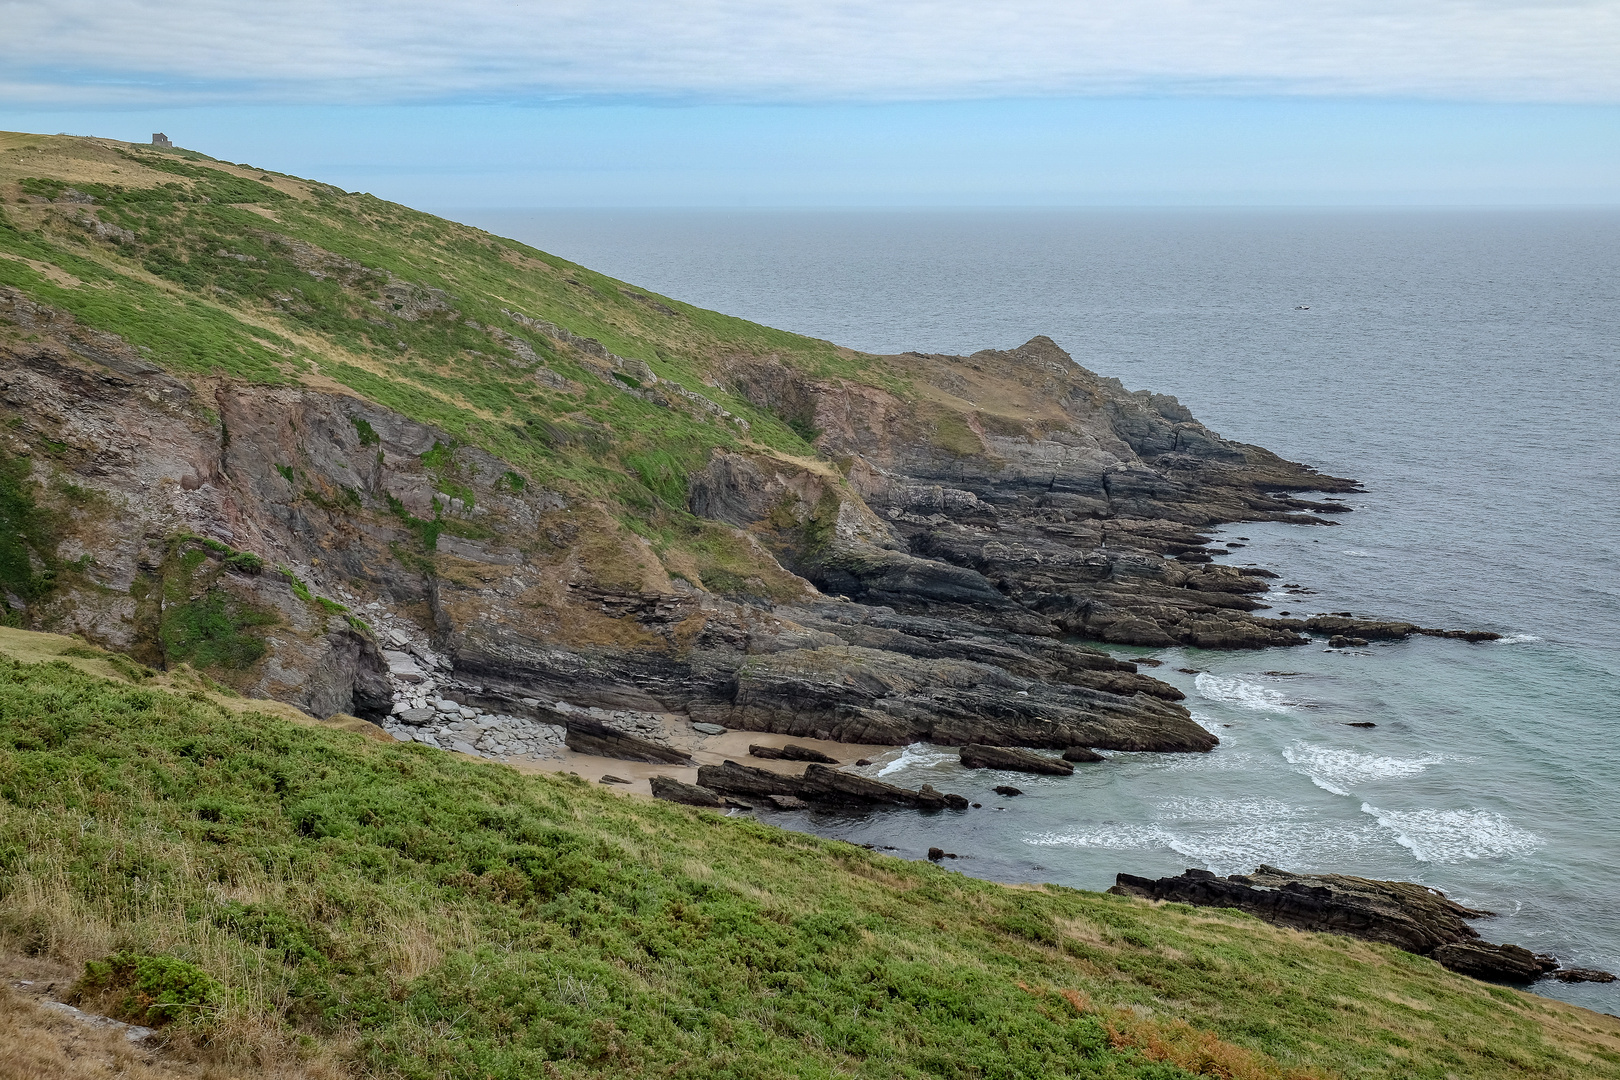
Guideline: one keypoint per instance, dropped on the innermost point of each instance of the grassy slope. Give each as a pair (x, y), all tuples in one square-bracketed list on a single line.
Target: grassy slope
[(204, 287), (421, 915)]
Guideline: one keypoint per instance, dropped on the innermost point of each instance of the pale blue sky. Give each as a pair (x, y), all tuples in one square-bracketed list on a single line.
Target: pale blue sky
[(910, 102)]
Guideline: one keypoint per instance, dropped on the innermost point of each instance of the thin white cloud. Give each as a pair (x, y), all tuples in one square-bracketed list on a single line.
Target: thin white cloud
[(84, 51)]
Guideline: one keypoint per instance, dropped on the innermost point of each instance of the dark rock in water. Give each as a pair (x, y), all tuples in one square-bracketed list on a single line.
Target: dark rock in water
[(822, 784), (791, 752), (1462, 635), (936, 854), (587, 736), (863, 762), (1361, 723), (786, 802), (672, 790), (1082, 753), (1339, 641), (1574, 975), (606, 779), (1007, 790), (1400, 913), (1001, 757), (1498, 963)]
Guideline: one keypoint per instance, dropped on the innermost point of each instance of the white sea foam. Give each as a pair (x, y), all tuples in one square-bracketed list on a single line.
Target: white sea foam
[(1244, 692), (1233, 846), (1449, 836), (1335, 769), (1359, 554), (1189, 808), (917, 755), (1516, 639)]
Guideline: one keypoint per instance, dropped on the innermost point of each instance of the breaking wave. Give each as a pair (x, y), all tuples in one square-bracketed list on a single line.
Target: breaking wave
[(1449, 836), (1337, 770), (1234, 846), (917, 755), (1236, 691)]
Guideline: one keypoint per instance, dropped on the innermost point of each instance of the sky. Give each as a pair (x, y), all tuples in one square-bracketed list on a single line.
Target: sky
[(516, 103)]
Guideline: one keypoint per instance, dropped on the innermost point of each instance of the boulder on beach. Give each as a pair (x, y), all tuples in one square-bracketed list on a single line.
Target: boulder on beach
[(790, 752)]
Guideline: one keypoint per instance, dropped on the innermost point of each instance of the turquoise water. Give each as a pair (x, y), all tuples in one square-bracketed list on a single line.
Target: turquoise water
[(1464, 365)]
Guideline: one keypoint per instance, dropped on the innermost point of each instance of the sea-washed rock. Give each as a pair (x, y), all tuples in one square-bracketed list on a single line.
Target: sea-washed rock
[(1400, 913), (1002, 757), (1574, 975), (1007, 790), (1082, 754)]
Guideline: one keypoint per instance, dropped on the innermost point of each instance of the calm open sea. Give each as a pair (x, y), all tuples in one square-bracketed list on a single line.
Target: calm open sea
[(1464, 365)]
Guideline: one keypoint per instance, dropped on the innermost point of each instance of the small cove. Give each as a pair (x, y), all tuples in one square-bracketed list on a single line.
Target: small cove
[(1461, 364)]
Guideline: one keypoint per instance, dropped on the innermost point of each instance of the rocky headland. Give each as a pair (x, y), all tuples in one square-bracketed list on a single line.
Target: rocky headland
[(1409, 916), (488, 531)]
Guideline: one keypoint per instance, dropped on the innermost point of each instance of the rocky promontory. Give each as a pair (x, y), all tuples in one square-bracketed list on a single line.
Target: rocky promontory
[(562, 514), (1400, 913)]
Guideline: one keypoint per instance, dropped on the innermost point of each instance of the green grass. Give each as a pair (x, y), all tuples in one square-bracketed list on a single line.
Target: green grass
[(206, 284), (419, 915)]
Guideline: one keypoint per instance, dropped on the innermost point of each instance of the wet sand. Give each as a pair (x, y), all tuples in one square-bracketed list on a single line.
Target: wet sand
[(705, 750)]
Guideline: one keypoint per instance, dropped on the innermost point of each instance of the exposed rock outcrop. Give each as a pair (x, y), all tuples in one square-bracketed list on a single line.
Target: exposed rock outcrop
[(822, 785), (790, 752), (1400, 913), (672, 790), (587, 736), (1002, 757), (977, 552)]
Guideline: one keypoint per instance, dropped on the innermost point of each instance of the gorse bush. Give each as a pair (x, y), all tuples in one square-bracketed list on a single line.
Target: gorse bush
[(149, 989)]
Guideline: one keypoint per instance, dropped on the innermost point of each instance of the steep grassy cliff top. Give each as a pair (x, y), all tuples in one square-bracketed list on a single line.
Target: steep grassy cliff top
[(209, 268)]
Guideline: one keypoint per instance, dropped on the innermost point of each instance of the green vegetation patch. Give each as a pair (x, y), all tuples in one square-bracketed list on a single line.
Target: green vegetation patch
[(448, 919), (27, 540), (214, 630), (149, 989)]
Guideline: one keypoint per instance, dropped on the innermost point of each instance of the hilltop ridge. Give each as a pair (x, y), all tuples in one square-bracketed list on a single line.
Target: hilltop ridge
[(249, 415)]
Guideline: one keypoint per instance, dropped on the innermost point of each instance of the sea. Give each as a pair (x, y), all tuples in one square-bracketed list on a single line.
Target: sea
[(1464, 365)]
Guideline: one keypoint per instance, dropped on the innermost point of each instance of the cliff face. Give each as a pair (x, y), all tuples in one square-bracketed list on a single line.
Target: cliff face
[(1038, 494), (323, 471)]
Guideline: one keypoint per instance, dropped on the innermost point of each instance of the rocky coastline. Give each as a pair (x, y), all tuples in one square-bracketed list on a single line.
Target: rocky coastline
[(1400, 913), (943, 574)]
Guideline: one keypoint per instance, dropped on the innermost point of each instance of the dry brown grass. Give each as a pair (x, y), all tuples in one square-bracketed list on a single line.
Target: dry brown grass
[(1176, 1042)]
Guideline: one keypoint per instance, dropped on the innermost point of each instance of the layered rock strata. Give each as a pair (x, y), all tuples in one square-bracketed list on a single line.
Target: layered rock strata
[(1400, 913), (362, 562), (822, 785), (1000, 757)]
